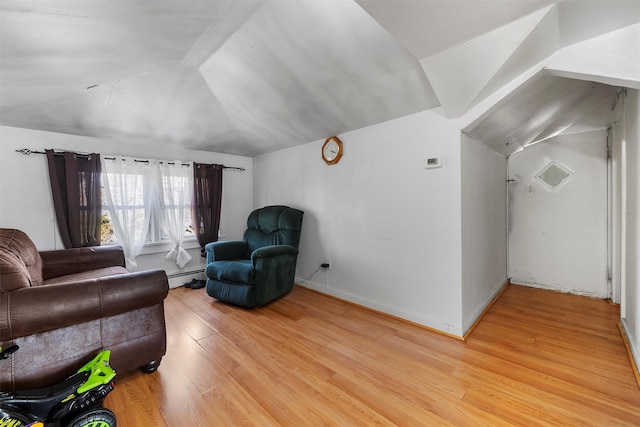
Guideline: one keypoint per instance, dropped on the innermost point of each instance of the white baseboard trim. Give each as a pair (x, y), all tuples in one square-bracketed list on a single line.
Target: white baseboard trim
[(420, 319), (471, 319), (559, 289), (633, 348)]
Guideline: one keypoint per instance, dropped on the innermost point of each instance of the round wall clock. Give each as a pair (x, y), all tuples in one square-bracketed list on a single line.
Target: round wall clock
[(332, 150)]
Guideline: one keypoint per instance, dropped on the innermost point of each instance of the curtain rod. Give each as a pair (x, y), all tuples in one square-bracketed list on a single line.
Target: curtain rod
[(27, 151)]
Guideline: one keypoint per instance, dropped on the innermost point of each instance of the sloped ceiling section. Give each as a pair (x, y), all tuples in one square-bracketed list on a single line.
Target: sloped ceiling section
[(470, 48), (170, 105), (428, 27), (240, 77), (254, 76), (51, 47), (301, 71), (544, 107), (494, 58), (613, 58)]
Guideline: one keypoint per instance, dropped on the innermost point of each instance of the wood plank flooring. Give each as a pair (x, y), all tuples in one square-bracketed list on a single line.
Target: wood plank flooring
[(538, 358)]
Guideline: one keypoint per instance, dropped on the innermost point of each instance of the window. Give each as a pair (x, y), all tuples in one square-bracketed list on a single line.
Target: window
[(135, 207), (146, 202), (126, 197), (173, 215), (107, 234)]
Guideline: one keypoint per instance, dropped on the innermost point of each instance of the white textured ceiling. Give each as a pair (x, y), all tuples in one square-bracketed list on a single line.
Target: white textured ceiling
[(254, 76)]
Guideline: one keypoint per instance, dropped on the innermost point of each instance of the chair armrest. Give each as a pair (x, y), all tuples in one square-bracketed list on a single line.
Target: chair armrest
[(226, 251), (27, 311), (70, 261), (273, 251), (274, 268)]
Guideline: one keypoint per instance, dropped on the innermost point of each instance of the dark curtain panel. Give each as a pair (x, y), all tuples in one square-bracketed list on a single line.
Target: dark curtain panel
[(206, 202), (76, 186)]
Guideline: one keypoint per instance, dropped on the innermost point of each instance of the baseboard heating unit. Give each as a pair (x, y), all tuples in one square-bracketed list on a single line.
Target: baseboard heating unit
[(179, 278)]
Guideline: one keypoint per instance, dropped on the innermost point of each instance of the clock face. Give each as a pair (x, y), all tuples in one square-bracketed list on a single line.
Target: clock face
[(332, 150)]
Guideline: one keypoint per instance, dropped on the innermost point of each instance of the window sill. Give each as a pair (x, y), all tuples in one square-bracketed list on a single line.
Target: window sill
[(165, 246)]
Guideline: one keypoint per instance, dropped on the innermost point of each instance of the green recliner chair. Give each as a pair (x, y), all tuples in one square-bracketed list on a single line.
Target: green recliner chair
[(260, 268)]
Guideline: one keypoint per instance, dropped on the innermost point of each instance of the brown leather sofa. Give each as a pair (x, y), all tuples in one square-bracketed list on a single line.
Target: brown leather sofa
[(62, 307)]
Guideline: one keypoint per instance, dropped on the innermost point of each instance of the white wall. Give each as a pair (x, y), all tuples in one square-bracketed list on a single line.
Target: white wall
[(631, 211), (390, 227), (484, 227), (25, 195), (558, 239)]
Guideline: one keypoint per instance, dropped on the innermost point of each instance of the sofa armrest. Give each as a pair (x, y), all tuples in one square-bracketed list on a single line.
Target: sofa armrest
[(27, 311), (70, 261), (226, 251)]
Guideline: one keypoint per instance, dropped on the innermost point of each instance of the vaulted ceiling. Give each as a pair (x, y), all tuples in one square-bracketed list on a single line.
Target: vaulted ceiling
[(255, 76)]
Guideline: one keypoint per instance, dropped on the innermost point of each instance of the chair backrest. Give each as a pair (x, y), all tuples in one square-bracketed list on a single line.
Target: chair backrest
[(273, 225)]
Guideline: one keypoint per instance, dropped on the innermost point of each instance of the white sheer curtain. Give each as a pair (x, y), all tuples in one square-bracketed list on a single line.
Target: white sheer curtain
[(129, 188), (175, 183)]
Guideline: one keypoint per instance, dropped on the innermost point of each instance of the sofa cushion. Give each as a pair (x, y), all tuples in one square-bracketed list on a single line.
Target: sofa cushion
[(20, 245), (92, 274), (231, 271), (13, 272)]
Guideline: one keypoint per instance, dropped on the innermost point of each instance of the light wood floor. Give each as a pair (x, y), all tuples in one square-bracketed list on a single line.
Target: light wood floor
[(537, 358)]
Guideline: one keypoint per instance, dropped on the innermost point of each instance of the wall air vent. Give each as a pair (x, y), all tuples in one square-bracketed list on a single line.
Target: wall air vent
[(554, 175)]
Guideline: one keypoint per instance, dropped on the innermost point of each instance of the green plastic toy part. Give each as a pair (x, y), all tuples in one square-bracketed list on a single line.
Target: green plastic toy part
[(100, 372)]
